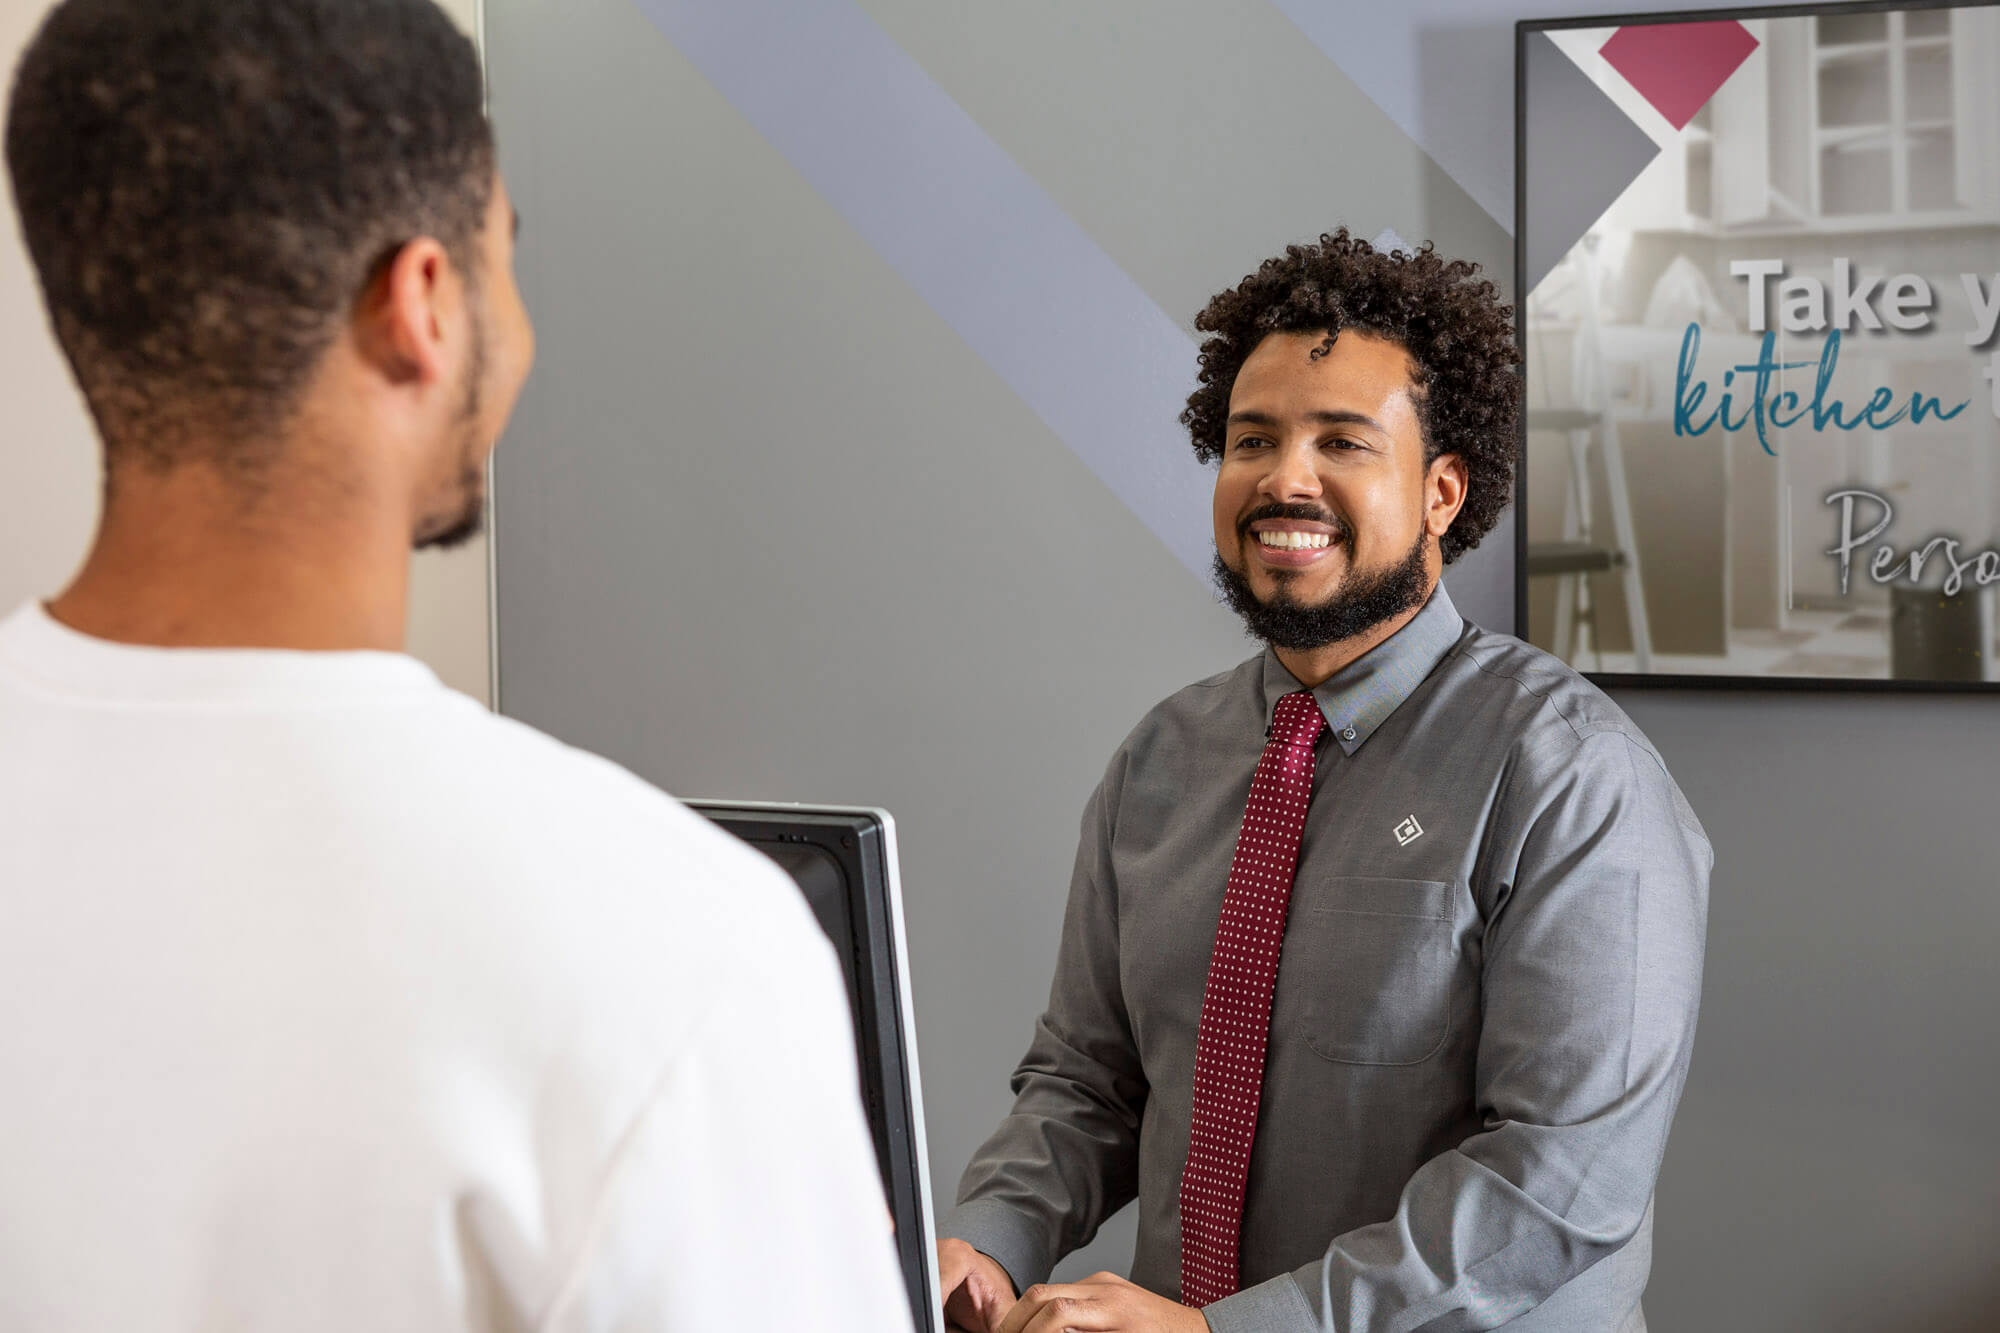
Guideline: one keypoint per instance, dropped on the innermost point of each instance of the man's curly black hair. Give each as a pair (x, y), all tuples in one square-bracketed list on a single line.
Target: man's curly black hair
[(207, 186), (1459, 337)]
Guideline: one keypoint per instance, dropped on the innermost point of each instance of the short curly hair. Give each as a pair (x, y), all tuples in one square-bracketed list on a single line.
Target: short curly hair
[(207, 186), (1459, 336)]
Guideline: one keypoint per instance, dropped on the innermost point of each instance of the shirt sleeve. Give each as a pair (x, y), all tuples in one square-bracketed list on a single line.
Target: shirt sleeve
[(747, 1193), (1066, 1157), (1591, 980)]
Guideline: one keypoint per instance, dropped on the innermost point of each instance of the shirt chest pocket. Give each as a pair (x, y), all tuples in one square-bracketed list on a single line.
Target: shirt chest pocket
[(1366, 972)]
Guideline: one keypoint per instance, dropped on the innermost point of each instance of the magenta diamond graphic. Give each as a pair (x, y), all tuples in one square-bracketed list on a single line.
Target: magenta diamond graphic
[(1678, 66)]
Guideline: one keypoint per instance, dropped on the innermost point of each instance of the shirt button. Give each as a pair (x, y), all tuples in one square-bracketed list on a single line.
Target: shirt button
[(1347, 733)]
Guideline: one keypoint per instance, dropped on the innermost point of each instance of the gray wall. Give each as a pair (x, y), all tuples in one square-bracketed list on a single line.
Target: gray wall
[(768, 527)]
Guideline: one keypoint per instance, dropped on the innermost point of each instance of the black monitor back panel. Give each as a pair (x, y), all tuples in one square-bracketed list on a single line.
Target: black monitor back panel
[(844, 861)]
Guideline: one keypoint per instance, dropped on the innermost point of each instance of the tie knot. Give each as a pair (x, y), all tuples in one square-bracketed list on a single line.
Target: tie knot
[(1297, 720)]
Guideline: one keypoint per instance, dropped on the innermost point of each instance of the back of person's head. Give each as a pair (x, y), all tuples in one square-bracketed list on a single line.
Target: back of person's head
[(208, 187)]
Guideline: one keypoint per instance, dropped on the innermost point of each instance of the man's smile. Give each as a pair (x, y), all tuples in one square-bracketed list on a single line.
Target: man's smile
[(1291, 543)]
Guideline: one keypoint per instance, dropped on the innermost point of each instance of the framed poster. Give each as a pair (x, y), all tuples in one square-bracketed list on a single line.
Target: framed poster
[(1758, 267)]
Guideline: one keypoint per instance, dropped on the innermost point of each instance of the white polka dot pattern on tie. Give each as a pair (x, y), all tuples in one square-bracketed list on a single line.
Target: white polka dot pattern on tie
[(1236, 1006)]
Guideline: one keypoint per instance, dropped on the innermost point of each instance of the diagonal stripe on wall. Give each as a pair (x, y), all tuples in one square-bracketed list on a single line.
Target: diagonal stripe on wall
[(1056, 318), (1063, 324)]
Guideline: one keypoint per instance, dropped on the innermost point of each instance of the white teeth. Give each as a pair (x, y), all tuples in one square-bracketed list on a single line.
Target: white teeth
[(1294, 541)]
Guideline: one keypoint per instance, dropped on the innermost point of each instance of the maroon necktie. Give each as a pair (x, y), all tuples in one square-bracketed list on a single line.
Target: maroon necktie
[(1236, 1007)]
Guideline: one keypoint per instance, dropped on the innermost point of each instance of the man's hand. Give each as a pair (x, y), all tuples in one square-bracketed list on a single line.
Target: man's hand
[(1101, 1302), (977, 1291)]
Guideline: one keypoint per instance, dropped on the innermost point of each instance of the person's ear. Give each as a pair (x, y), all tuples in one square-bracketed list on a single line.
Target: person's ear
[(1445, 487), (403, 317)]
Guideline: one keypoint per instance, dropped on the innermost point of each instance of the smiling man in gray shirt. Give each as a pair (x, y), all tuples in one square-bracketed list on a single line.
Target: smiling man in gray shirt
[(1379, 974)]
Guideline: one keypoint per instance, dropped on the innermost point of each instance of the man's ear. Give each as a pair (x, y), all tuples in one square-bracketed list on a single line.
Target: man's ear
[(402, 317), (1445, 488)]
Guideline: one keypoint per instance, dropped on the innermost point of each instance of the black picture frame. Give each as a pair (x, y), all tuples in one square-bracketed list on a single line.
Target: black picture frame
[(1523, 30)]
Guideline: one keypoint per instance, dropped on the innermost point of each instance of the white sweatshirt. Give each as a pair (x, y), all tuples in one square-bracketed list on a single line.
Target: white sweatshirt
[(330, 1001)]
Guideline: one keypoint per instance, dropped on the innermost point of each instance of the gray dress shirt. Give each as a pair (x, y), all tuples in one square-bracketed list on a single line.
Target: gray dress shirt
[(1483, 1015)]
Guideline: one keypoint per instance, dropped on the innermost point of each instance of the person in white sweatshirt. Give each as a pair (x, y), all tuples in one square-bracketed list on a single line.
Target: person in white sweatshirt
[(327, 999)]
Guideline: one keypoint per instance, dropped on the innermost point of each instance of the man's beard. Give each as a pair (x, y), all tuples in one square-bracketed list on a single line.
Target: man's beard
[(465, 516), (1362, 602), (470, 520)]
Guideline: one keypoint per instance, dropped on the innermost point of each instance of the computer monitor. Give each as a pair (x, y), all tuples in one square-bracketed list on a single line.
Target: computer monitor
[(844, 860)]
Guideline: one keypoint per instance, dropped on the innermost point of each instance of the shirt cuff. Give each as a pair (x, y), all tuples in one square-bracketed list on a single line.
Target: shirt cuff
[(1277, 1306), (1002, 1235)]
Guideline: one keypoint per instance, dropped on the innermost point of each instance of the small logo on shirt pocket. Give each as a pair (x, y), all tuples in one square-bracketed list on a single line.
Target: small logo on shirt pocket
[(1408, 831)]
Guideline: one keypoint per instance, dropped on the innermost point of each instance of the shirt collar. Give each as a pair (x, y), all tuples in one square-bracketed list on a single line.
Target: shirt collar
[(35, 646), (1361, 695)]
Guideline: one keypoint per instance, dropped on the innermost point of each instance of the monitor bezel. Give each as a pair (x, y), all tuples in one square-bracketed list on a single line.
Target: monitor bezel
[(820, 826)]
